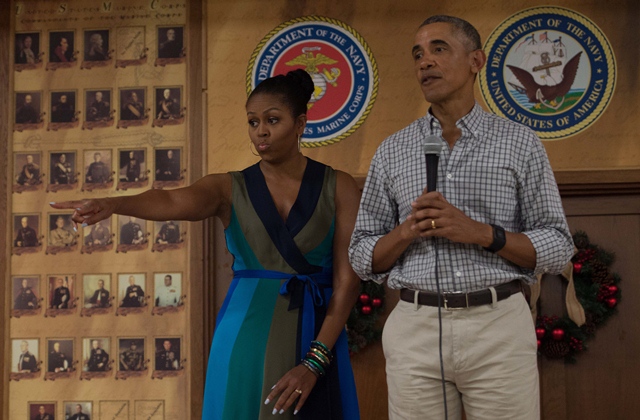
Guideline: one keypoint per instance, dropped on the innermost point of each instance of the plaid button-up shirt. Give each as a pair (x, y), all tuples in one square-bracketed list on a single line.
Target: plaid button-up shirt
[(497, 172)]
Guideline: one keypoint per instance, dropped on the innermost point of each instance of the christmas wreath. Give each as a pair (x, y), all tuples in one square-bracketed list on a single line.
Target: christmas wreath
[(598, 294), (362, 325)]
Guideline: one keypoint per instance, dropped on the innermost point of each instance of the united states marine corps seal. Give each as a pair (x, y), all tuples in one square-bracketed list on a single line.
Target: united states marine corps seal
[(340, 63), (549, 68)]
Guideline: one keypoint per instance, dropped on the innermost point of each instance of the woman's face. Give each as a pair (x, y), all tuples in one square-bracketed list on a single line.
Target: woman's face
[(272, 128)]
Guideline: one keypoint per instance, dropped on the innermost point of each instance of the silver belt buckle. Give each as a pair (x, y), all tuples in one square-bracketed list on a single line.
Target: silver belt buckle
[(447, 308)]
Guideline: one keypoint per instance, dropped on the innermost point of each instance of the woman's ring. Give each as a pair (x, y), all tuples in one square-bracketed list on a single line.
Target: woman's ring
[(433, 224)]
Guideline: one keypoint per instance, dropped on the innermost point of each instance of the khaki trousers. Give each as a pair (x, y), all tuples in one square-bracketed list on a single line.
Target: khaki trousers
[(490, 362)]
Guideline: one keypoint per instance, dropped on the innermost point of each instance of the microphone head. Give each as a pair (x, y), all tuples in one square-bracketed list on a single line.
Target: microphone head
[(432, 145)]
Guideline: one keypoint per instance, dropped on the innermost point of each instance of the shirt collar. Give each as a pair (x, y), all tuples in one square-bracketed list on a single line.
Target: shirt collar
[(472, 121)]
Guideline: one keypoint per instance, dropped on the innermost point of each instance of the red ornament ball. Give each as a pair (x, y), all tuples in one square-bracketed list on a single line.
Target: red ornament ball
[(577, 267), (366, 310), (364, 298), (539, 343), (611, 302), (376, 302), (557, 334), (612, 289), (540, 333)]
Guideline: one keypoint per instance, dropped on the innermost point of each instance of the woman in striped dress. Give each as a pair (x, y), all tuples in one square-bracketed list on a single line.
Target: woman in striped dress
[(279, 344)]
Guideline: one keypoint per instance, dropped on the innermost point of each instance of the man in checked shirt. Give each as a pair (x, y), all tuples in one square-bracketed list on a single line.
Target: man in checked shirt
[(495, 221)]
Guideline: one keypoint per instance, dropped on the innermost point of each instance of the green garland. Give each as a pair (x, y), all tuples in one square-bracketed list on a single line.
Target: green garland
[(598, 292), (362, 325)]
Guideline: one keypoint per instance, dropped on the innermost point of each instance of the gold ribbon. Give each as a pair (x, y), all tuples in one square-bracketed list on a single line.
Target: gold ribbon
[(574, 308)]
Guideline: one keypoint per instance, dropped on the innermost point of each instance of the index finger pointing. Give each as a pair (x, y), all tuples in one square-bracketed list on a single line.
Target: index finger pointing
[(67, 204)]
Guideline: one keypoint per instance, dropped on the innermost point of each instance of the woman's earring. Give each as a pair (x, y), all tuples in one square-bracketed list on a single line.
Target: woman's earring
[(255, 153)]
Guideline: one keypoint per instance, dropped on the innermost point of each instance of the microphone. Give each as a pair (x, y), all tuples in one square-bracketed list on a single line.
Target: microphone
[(432, 146)]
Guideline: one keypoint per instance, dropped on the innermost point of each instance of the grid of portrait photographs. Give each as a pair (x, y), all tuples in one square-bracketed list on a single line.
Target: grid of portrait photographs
[(95, 108)]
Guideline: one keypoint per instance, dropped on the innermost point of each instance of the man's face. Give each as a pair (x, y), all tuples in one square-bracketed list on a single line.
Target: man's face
[(171, 34), (133, 346), (63, 99), (25, 283), (167, 345), (41, 409), (56, 347), (27, 42), (59, 282), (24, 346), (170, 154), (60, 222), (94, 344), (29, 159), (64, 44), (166, 93), (131, 280), (99, 96), (78, 408), (23, 222), (97, 157), (98, 40), (130, 155), (100, 284), (167, 281), (63, 158), (444, 64), (134, 97), (27, 99)]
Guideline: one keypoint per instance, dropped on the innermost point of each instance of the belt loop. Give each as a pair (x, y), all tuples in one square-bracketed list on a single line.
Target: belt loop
[(415, 299), (494, 297)]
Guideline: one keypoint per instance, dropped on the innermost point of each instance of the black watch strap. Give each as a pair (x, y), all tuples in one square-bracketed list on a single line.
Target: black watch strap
[(499, 239)]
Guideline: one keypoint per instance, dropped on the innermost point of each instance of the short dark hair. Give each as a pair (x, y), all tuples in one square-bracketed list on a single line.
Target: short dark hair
[(467, 30), (295, 89)]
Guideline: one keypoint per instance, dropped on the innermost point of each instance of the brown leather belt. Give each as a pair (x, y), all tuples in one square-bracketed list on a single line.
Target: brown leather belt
[(460, 300)]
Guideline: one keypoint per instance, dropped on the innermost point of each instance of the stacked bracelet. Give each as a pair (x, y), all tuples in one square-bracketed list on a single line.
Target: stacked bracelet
[(318, 358)]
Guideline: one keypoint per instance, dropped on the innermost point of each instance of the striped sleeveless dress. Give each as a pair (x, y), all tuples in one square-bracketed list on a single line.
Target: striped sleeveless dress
[(276, 302)]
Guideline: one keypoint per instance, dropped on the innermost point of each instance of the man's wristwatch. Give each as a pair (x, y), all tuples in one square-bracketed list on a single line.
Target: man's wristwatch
[(499, 239)]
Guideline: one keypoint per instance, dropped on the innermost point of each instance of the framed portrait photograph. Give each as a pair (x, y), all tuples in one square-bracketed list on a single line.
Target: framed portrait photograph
[(133, 231), (131, 287), (97, 237), (96, 291), (27, 171), (26, 292), (168, 351), (61, 233), (96, 45), (168, 164), (26, 232), (63, 106), (60, 355), (168, 106), (131, 352), (168, 233), (133, 105), (25, 355), (27, 49), (42, 410), (61, 46), (95, 354), (170, 42), (28, 110), (97, 169), (167, 289), (62, 173), (98, 106), (133, 169), (78, 410), (61, 291)]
